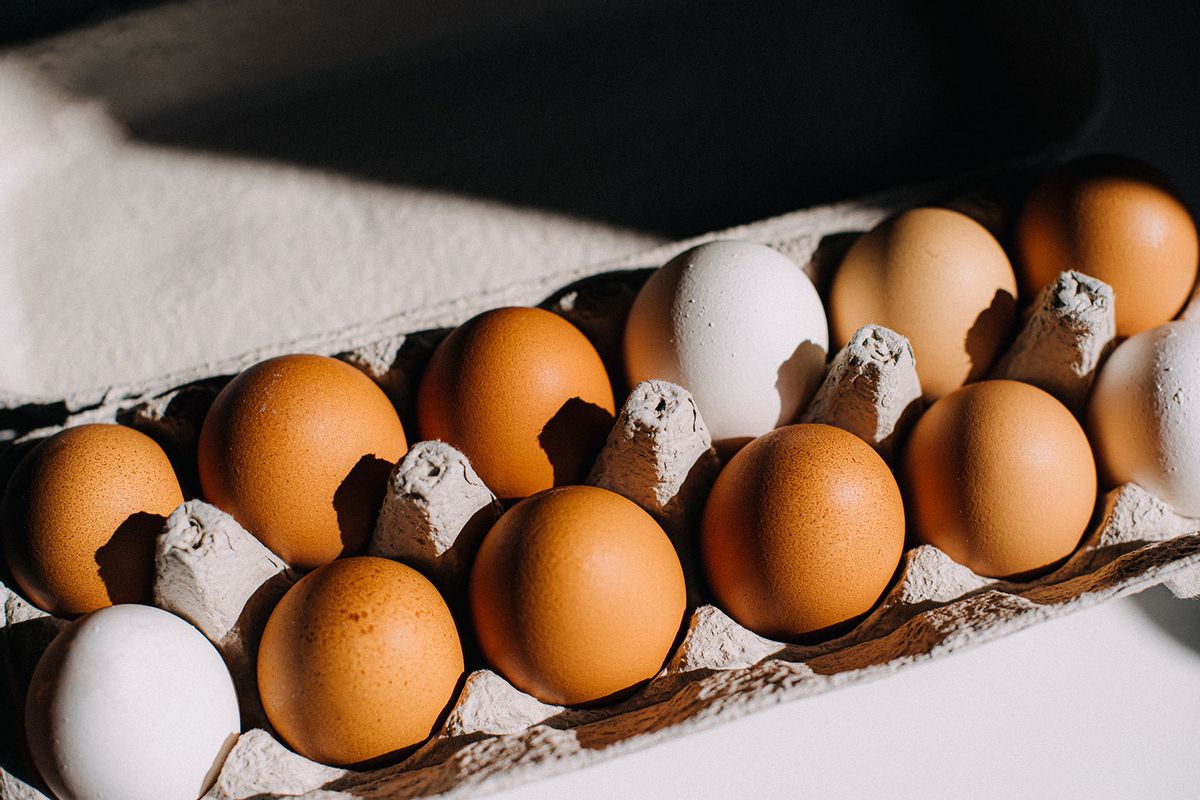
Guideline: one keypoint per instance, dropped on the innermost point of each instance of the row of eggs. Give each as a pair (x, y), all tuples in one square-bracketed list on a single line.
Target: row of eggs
[(576, 594)]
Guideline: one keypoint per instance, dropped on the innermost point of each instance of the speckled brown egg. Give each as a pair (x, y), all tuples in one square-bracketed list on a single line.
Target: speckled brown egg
[(1118, 220), (802, 532), (358, 661), (937, 277), (298, 450), (1000, 476), (577, 595), (80, 514), (523, 394)]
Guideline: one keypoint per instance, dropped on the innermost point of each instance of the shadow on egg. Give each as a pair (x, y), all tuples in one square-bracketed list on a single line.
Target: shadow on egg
[(357, 501), (218, 763), (463, 551), (572, 439), (126, 560), (804, 366), (990, 334), (826, 258)]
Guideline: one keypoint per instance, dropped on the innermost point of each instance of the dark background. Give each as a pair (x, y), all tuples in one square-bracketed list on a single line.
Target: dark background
[(673, 118)]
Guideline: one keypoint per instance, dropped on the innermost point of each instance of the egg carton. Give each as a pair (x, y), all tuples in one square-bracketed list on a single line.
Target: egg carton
[(213, 573)]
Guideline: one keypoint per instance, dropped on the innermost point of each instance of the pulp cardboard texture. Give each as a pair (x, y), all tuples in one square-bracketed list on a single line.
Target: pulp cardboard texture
[(215, 574)]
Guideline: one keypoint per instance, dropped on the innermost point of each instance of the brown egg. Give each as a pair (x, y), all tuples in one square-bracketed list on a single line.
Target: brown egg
[(999, 475), (1118, 220), (937, 277), (802, 532), (80, 514), (523, 394), (359, 660), (298, 450), (577, 595)]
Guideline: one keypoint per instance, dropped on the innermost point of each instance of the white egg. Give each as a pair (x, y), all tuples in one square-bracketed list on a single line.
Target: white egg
[(737, 324), (130, 702), (1144, 415)]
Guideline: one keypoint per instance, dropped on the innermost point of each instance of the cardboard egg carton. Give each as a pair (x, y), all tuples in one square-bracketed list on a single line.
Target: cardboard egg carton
[(212, 572)]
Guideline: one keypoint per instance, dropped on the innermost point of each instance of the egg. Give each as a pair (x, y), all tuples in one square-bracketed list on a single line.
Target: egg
[(523, 394), (802, 532), (298, 450), (1143, 414), (737, 324), (80, 514), (132, 702), (1000, 476), (577, 595), (1118, 220), (358, 661), (937, 277)]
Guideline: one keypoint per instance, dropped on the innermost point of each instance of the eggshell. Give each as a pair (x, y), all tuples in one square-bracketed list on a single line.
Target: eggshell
[(1143, 414), (737, 324), (999, 476), (1117, 220), (937, 277), (802, 532), (130, 702), (359, 660), (298, 449), (80, 514), (577, 595), (523, 394)]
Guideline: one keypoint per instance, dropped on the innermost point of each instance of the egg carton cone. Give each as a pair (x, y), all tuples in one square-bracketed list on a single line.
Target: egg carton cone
[(660, 455), (435, 512), (209, 570), (1069, 331), (871, 389), (212, 572)]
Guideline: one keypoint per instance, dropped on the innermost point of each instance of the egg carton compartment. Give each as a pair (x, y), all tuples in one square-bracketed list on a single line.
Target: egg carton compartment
[(213, 573)]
